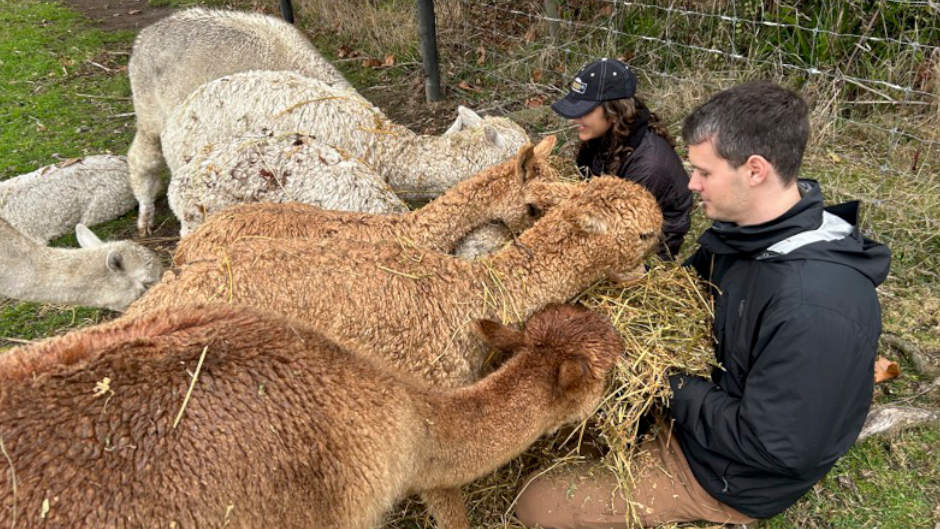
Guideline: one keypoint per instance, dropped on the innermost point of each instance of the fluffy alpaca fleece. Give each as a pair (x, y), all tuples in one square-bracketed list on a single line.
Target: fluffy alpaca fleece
[(283, 428), (262, 103), (173, 56), (411, 307), (49, 202), (500, 192), (290, 168), (99, 274)]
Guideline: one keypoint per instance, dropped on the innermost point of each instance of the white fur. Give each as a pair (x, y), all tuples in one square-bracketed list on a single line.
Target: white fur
[(50, 201), (290, 168), (99, 274), (175, 55), (264, 103)]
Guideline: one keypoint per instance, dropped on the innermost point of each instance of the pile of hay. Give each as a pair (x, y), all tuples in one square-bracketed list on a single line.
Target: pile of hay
[(665, 320)]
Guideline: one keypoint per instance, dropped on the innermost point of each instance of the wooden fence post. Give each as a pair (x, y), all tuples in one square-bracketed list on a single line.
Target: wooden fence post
[(551, 11)]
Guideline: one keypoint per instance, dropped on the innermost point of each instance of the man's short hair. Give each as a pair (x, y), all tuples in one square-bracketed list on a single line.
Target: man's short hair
[(758, 117)]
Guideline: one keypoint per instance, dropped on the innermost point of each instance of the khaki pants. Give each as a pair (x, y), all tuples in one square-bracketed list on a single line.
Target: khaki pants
[(588, 496)]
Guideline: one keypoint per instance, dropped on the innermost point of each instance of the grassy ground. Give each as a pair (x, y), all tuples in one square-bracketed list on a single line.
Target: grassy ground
[(65, 94)]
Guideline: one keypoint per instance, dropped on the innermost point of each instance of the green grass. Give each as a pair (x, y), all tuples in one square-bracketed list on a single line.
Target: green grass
[(44, 66), (55, 101)]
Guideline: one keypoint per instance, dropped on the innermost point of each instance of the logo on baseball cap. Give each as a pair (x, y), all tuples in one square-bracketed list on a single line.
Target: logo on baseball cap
[(602, 80)]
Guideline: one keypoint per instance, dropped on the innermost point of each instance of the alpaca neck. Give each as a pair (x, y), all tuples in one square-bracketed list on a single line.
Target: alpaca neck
[(550, 263), (468, 205), (418, 168), (36, 272), (475, 429)]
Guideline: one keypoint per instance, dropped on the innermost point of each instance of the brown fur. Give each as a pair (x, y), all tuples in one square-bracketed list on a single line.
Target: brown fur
[(495, 193), (283, 429), (411, 307)]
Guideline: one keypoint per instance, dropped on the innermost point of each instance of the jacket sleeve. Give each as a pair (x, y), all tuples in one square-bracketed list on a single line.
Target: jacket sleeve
[(808, 389)]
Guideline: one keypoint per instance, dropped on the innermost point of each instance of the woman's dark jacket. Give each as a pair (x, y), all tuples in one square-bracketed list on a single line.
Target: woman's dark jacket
[(655, 165), (796, 324)]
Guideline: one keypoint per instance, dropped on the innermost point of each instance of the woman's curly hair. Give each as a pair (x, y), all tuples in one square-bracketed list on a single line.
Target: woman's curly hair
[(625, 113)]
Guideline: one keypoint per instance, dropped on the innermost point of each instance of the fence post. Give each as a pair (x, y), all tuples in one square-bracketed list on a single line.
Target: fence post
[(428, 33), (551, 11), (287, 11)]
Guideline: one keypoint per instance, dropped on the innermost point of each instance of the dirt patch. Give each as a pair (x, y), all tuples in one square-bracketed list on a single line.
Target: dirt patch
[(115, 15)]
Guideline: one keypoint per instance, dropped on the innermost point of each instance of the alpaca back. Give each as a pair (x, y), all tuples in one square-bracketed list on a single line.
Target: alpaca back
[(49, 202), (276, 430), (175, 55)]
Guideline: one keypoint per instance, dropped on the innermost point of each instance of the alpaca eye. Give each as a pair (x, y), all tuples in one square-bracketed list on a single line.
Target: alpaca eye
[(534, 211), (647, 236)]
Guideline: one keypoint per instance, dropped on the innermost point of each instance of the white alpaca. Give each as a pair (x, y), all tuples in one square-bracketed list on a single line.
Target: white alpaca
[(173, 56), (50, 201), (265, 103), (99, 274), (290, 168)]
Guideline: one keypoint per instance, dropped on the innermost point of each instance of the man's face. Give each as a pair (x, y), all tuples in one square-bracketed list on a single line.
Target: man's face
[(592, 125), (723, 189)]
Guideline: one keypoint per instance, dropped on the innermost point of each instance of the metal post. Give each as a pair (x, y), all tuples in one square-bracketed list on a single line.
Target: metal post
[(428, 33), (551, 11), (287, 11)]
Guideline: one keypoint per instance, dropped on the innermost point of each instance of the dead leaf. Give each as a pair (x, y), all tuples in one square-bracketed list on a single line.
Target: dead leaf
[(389, 60), (885, 369), (371, 62), (531, 35), (464, 85), (536, 76), (833, 156), (606, 11), (481, 55), (535, 102), (134, 12), (344, 52), (68, 161)]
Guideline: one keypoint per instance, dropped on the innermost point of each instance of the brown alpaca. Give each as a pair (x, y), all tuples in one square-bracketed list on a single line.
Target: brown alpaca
[(496, 193), (283, 428), (412, 307)]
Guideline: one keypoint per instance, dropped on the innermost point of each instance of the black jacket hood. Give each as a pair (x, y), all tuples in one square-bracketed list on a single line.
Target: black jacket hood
[(834, 241)]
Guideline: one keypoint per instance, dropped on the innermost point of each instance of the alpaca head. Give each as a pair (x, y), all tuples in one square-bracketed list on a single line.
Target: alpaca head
[(529, 168), (572, 347), (616, 220), (482, 141), (121, 270)]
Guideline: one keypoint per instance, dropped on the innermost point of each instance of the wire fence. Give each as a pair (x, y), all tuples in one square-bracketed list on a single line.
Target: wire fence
[(871, 69)]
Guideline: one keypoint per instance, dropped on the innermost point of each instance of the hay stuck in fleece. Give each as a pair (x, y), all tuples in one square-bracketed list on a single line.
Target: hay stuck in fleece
[(665, 319)]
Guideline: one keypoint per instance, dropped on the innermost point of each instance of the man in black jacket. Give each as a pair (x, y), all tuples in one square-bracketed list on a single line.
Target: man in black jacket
[(796, 324)]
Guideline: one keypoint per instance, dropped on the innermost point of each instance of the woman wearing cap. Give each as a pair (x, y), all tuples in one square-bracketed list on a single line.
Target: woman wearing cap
[(620, 136)]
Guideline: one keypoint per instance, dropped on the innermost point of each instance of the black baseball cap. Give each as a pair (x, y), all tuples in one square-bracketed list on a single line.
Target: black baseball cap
[(602, 80)]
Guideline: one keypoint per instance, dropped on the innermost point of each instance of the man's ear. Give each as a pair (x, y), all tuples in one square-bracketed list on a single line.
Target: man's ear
[(759, 169)]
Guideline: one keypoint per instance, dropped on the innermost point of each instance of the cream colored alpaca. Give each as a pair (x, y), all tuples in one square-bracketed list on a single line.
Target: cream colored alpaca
[(232, 417), (498, 192), (99, 274), (411, 307), (263, 103), (174, 55), (290, 168)]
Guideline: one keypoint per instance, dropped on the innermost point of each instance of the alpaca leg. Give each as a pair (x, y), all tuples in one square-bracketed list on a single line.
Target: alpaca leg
[(447, 507), (144, 161)]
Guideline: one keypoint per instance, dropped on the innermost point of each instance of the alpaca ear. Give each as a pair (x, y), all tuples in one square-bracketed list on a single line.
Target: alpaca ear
[(590, 222), (498, 336), (115, 261), (544, 148), (468, 117), (493, 136), (524, 161), (454, 127), (571, 374), (86, 238)]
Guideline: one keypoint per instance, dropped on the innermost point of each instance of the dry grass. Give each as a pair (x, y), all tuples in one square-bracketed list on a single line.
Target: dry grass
[(664, 318)]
